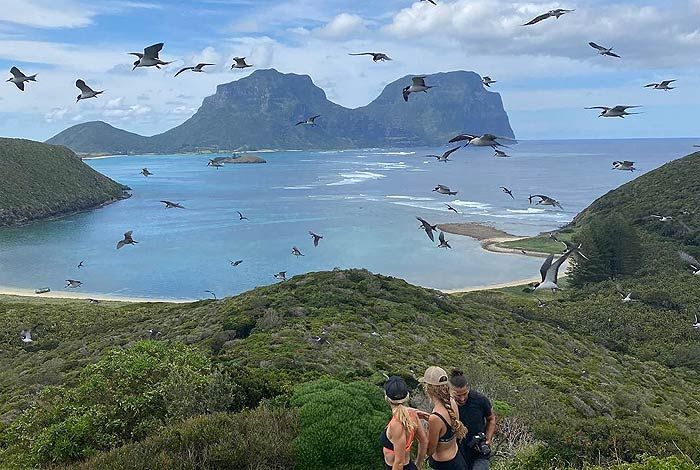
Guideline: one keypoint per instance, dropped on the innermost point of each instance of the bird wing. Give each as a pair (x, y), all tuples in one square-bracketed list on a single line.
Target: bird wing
[(691, 260), (83, 86), (20, 85), (537, 19), (651, 85), (461, 137), (441, 237), (598, 107), (362, 53), (152, 51), (418, 81), (127, 235), (429, 231), (450, 152), (597, 46), (667, 82), (313, 118), (554, 268), (622, 108), (612, 54), (545, 267), (628, 163), (120, 244), (17, 73), (183, 69), (542, 197), (137, 54), (166, 202), (423, 221), (405, 94), (200, 66)]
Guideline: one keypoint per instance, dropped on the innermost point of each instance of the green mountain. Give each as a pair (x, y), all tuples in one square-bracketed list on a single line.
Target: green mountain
[(261, 110), (40, 181)]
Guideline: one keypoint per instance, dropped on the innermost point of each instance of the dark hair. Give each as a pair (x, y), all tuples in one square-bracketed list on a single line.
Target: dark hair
[(457, 379)]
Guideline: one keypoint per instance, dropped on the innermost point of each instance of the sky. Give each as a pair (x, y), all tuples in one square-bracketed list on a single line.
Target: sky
[(546, 73)]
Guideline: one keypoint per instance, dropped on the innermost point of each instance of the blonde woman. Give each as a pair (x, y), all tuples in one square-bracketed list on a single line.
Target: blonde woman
[(404, 427), (444, 427)]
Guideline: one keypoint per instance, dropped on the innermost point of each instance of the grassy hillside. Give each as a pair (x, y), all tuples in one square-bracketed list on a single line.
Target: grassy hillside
[(100, 137), (40, 181), (269, 332)]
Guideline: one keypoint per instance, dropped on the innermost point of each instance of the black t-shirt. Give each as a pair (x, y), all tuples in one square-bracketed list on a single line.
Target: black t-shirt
[(473, 414)]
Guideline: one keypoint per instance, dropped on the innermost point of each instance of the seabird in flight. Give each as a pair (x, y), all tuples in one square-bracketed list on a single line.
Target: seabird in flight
[(196, 68), (239, 63), (85, 91), (431, 1), (80, 265), (486, 140), (624, 165), (18, 78), (309, 121), (149, 57), (440, 189), (550, 271), (627, 298), (615, 111), (443, 243), (661, 86), (660, 218), (73, 283), (216, 164), (296, 251), (145, 172), (507, 191), (692, 261), (281, 276), (445, 157), (241, 216), (418, 85), (429, 229), (26, 336), (211, 293), (450, 208), (550, 14), (128, 240), (603, 50), (316, 237), (172, 205), (487, 81), (236, 263), (376, 56), (546, 201), (500, 153)]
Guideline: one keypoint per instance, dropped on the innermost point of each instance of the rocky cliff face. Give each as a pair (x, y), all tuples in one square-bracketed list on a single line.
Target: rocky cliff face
[(261, 110)]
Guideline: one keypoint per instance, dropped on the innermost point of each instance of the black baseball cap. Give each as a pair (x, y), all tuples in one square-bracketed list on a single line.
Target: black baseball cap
[(396, 389)]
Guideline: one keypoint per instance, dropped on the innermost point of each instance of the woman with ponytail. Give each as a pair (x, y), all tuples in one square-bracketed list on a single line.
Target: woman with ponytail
[(445, 430), (404, 427)]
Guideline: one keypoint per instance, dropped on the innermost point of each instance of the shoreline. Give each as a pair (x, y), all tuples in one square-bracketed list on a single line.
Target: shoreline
[(72, 295)]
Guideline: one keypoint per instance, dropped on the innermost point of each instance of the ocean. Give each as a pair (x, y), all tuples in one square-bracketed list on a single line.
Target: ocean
[(363, 202)]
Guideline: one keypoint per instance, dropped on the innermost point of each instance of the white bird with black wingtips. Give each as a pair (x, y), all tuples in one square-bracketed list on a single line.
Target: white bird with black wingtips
[(603, 50), (550, 271), (18, 78), (664, 85), (197, 68), (85, 91), (149, 57), (616, 111), (239, 63), (624, 165), (417, 86)]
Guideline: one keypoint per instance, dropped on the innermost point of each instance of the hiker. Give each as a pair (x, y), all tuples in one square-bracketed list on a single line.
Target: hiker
[(444, 427), (404, 426), (476, 414)]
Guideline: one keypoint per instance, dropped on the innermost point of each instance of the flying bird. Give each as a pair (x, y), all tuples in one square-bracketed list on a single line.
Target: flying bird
[(418, 85), (216, 164), (281, 276), (603, 50), (692, 262), (487, 81), (308, 121), (172, 205), (376, 56), (80, 265), (443, 243), (661, 86), (440, 189), (85, 91), (196, 68), (149, 57), (431, 1), (550, 14), (627, 298), (500, 153), (211, 293), (624, 165), (429, 229), (296, 251), (93, 301), (615, 111), (445, 157), (241, 216), (153, 333), (450, 208), (73, 284), (550, 271), (145, 172), (507, 191), (26, 336), (236, 263), (660, 218), (546, 201), (239, 63), (316, 238), (540, 303), (696, 325), (18, 78), (486, 140), (128, 240)]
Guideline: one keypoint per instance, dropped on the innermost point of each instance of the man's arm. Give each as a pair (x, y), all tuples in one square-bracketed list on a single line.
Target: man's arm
[(490, 427)]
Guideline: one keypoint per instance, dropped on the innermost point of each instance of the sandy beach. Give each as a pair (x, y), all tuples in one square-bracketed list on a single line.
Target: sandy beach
[(72, 294)]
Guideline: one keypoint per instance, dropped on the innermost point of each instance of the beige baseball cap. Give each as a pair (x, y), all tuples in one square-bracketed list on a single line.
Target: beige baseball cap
[(434, 375)]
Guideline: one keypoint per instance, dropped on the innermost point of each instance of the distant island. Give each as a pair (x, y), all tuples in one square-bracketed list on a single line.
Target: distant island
[(240, 159), (260, 111), (41, 181)]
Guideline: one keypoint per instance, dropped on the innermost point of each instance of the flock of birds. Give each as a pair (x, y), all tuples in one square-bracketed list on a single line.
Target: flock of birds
[(150, 57)]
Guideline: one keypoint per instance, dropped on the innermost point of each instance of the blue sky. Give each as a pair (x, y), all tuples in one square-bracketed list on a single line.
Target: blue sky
[(546, 73)]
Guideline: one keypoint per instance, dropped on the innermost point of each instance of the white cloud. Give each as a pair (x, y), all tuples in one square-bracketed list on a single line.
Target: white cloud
[(342, 26), (47, 13)]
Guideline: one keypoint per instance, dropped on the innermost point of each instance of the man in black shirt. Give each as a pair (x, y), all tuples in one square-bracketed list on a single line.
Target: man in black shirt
[(476, 414)]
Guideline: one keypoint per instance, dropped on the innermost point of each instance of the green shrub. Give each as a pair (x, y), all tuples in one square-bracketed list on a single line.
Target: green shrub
[(126, 395), (252, 440), (340, 425)]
